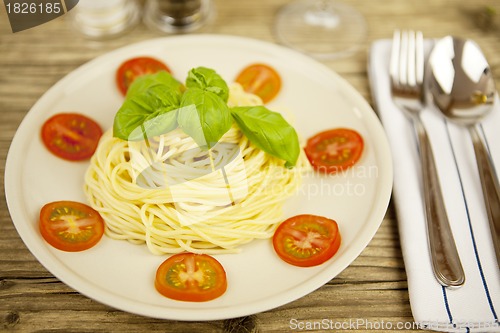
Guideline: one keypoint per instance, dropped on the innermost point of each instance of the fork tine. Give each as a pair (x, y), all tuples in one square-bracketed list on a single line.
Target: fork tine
[(419, 54), (403, 59), (411, 65), (407, 59), (394, 62)]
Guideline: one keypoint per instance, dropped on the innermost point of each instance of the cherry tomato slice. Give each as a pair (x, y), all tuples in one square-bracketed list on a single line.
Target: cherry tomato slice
[(307, 240), (261, 80), (334, 150), (70, 226), (132, 68), (71, 136), (191, 277)]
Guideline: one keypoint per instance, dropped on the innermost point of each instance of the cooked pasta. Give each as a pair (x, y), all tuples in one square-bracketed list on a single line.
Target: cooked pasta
[(173, 196)]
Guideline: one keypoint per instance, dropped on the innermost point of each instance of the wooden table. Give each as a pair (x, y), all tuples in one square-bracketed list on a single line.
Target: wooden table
[(373, 288)]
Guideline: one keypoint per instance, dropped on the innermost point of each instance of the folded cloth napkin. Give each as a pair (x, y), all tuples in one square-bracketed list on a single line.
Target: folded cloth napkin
[(474, 307)]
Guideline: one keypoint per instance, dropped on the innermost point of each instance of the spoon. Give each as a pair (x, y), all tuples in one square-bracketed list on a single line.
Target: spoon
[(462, 87)]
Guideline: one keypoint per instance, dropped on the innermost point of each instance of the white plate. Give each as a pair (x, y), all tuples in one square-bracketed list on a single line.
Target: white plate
[(120, 274)]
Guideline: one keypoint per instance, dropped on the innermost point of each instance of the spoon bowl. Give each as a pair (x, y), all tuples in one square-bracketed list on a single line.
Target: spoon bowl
[(460, 83), (460, 80)]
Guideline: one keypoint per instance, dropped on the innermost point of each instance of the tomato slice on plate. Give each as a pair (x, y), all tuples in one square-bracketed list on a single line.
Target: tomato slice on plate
[(71, 136), (135, 67), (261, 80), (70, 226), (334, 150), (307, 240), (191, 277)]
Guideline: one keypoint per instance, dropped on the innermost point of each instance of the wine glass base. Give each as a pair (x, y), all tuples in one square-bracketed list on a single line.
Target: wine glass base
[(324, 29)]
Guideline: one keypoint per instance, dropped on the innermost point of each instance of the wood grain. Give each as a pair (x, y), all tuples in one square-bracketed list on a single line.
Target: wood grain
[(373, 288)]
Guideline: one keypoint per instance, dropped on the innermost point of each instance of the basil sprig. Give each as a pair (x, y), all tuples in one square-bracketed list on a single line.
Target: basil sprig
[(156, 104)]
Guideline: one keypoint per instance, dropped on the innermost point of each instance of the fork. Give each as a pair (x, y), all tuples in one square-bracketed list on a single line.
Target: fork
[(407, 76)]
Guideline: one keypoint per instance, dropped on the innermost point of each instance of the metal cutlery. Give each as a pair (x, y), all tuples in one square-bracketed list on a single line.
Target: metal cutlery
[(470, 99), (407, 73)]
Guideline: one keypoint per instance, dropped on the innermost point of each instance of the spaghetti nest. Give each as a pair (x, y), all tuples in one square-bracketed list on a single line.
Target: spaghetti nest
[(173, 196)]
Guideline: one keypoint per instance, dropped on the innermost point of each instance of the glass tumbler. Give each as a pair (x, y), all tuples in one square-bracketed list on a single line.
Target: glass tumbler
[(101, 19), (178, 16)]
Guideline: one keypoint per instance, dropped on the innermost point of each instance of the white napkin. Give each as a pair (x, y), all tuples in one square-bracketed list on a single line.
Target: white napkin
[(475, 307)]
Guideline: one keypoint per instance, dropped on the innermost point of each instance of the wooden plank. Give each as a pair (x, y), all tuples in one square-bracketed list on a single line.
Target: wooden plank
[(373, 288)]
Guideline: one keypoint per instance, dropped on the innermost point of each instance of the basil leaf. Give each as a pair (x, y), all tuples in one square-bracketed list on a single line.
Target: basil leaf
[(156, 82), (147, 114), (156, 124), (207, 79), (204, 116), (269, 131)]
